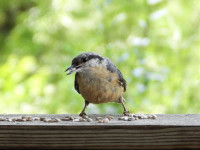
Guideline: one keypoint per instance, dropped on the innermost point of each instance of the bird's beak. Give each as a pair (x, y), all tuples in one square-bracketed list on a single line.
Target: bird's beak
[(72, 69)]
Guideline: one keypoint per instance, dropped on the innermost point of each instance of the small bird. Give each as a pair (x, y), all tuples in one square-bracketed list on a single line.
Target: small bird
[(97, 79)]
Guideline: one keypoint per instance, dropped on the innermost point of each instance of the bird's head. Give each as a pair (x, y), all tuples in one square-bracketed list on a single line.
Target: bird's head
[(85, 61)]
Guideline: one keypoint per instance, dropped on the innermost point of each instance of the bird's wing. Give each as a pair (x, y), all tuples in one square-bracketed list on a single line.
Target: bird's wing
[(76, 86), (112, 68), (122, 81)]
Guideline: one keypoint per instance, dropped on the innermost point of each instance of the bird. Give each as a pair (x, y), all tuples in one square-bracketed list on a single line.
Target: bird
[(98, 80)]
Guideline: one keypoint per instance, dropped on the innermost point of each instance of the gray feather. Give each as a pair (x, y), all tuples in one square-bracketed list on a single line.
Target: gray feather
[(122, 81), (76, 86), (112, 68)]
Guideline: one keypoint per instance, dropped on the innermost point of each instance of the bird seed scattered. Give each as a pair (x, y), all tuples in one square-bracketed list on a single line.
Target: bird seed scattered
[(132, 117), (2, 119), (105, 119), (89, 119)]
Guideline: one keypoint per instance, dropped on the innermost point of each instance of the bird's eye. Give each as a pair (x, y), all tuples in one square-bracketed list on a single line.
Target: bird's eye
[(84, 59)]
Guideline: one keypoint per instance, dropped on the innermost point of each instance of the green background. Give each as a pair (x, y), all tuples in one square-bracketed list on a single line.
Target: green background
[(155, 44)]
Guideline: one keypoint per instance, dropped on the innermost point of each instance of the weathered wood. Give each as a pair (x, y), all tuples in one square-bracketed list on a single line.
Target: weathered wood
[(165, 132)]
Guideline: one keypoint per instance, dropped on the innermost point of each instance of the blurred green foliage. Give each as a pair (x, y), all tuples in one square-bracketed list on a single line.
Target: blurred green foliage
[(155, 44)]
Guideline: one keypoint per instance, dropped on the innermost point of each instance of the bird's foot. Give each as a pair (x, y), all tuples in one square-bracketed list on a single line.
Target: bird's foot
[(126, 113), (82, 114)]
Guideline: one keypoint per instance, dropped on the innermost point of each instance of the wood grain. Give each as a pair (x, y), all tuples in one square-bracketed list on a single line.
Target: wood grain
[(165, 132)]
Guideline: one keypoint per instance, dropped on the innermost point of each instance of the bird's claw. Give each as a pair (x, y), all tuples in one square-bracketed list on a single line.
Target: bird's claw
[(82, 114), (126, 113)]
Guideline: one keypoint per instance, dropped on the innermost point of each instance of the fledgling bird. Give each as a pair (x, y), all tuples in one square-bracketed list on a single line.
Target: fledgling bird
[(98, 80)]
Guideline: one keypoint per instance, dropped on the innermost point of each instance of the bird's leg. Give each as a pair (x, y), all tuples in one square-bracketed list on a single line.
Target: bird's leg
[(83, 111), (126, 112)]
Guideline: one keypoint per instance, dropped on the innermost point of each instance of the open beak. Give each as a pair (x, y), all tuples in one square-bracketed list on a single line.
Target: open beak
[(72, 69)]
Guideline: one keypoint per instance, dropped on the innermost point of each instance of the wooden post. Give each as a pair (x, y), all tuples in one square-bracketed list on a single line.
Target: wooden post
[(165, 132)]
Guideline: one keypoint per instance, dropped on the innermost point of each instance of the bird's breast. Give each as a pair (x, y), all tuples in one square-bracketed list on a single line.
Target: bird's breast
[(98, 85)]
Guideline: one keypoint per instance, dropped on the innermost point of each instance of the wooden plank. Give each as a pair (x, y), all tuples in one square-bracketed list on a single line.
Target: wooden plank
[(165, 132)]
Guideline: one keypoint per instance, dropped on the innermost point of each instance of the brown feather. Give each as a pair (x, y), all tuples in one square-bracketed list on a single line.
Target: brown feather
[(98, 85)]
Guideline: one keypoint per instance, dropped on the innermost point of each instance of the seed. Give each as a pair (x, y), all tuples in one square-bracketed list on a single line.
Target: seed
[(36, 118), (105, 120), (23, 117), (131, 119), (65, 119), (82, 120), (144, 117), (100, 121), (57, 119), (154, 117), (134, 115), (98, 118), (53, 120), (2, 119), (9, 119), (130, 115), (75, 120), (13, 119), (149, 116), (46, 119), (89, 119), (42, 118), (125, 118), (29, 118), (71, 118), (78, 118), (109, 117), (141, 116), (85, 116), (26, 118), (19, 120), (121, 118)]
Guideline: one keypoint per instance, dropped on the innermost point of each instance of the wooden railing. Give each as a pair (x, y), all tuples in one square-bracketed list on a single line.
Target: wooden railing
[(63, 132)]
